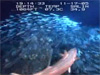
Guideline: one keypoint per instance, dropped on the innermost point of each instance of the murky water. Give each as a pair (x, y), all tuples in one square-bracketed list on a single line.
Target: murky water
[(32, 41)]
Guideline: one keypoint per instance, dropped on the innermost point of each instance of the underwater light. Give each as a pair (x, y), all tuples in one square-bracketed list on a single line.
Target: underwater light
[(38, 37), (66, 21)]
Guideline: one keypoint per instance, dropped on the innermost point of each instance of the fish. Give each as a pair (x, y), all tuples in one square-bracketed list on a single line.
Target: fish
[(63, 33), (14, 74), (68, 58), (62, 65)]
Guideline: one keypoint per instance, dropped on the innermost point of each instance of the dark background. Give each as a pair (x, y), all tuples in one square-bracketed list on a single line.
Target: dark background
[(89, 17)]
